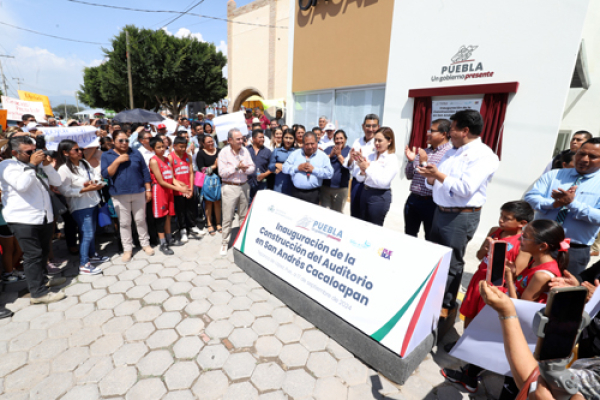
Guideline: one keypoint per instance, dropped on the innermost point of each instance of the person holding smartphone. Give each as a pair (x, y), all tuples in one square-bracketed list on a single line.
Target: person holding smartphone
[(80, 186)]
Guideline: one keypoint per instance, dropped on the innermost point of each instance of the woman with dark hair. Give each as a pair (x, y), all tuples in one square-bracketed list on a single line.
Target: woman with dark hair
[(106, 143), (129, 185), (80, 186), (283, 182), (207, 163), (299, 135), (377, 172), (208, 129), (334, 191)]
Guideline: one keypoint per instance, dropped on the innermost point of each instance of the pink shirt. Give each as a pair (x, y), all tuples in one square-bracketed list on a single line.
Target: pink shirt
[(228, 161)]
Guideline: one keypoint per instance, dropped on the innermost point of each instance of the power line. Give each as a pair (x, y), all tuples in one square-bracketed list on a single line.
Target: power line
[(173, 12), (182, 14), (52, 36)]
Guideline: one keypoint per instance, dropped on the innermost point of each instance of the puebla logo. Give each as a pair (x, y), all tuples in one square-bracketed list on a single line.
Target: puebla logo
[(320, 227), (463, 67)]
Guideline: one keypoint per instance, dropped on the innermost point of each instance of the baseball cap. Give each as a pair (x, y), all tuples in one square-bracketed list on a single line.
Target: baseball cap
[(330, 127), (161, 126), (248, 110)]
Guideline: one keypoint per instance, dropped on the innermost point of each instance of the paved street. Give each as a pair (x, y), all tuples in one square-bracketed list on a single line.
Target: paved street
[(189, 326)]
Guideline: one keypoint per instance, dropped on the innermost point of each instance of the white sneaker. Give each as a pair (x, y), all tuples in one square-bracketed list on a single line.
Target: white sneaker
[(223, 250), (184, 237), (196, 231)]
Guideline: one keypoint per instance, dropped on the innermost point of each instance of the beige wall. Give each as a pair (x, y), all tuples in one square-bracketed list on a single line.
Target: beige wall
[(341, 43), (257, 54)]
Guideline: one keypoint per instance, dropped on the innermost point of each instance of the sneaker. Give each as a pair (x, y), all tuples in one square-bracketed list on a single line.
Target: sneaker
[(126, 257), (164, 248), (5, 312), (99, 259), (48, 298), (8, 277), (184, 237), (223, 250), (461, 377), (149, 250), (196, 231), (19, 274), (89, 269), (176, 242), (56, 281), (52, 269)]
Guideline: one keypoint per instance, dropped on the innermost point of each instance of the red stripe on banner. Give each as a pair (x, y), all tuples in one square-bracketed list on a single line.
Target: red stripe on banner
[(413, 322), (243, 223)]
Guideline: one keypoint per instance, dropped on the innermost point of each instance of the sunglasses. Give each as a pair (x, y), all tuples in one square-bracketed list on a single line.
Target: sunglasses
[(123, 140), (78, 150), (28, 152)]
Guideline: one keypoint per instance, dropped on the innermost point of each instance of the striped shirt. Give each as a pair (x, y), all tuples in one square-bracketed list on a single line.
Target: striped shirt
[(434, 156)]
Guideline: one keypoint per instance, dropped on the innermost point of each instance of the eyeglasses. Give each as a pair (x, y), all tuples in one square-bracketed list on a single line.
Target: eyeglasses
[(434, 130), (123, 140), (78, 150)]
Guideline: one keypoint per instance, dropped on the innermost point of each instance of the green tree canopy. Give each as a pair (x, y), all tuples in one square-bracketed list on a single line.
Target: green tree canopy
[(60, 110), (166, 71)]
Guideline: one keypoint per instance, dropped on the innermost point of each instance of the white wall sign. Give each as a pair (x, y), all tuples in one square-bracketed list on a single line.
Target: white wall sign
[(85, 136), (223, 123), (445, 108), (387, 284), (16, 108)]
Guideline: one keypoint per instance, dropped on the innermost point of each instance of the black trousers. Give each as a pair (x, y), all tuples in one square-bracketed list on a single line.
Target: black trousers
[(375, 204), (355, 192), (579, 258), (418, 210), (185, 210), (455, 230), (35, 243), (311, 195), (151, 222)]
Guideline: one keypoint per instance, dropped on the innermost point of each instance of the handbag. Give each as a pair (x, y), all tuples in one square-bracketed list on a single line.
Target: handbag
[(104, 216), (199, 179), (211, 190), (58, 207)]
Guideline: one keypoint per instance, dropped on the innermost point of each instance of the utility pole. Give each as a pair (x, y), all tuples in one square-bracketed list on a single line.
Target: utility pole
[(18, 82), (129, 71), (2, 74), (76, 101)]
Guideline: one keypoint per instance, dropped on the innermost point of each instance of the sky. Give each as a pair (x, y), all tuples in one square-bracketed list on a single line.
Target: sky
[(54, 67)]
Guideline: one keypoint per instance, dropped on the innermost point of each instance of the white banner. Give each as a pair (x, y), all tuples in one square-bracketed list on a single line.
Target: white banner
[(447, 107), (17, 108), (387, 284), (224, 123), (85, 136), (484, 335)]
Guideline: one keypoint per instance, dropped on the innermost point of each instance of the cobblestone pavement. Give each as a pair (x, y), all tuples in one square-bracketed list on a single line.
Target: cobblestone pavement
[(189, 326)]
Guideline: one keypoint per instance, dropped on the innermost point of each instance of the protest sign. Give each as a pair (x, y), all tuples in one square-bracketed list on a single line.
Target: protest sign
[(85, 136), (482, 344), (447, 107), (3, 119), (388, 285), (224, 123), (28, 96), (16, 108)]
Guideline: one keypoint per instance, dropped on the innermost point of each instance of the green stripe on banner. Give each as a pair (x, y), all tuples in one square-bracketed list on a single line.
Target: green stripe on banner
[(243, 246), (385, 329)]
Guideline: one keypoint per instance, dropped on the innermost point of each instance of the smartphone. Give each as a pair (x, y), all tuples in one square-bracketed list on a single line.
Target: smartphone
[(496, 259), (564, 310)]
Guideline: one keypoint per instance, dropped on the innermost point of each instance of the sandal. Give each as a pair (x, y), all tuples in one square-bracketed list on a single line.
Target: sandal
[(220, 229), (212, 231)]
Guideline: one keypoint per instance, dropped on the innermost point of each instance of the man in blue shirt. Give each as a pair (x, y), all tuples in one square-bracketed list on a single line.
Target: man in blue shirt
[(308, 167), (572, 198), (261, 157)]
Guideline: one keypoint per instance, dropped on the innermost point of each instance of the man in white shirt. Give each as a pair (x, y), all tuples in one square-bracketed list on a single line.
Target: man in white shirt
[(459, 188), (362, 147), (327, 138), (28, 212)]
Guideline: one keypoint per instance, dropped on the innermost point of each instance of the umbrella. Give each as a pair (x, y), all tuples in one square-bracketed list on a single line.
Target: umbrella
[(137, 116)]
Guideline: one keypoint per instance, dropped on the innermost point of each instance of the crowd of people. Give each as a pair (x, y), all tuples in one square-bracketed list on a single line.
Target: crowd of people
[(142, 180)]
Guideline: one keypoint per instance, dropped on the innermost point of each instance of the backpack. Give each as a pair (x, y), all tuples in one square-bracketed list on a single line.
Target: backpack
[(211, 190)]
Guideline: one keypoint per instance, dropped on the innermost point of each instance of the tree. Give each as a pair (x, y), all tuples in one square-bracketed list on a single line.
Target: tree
[(166, 71), (60, 110)]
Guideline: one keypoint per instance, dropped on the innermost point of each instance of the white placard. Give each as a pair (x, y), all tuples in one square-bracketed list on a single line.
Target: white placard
[(223, 123), (482, 344), (170, 124), (85, 136), (447, 107), (17, 108), (385, 283)]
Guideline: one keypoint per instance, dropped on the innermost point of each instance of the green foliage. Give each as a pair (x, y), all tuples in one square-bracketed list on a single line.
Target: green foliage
[(60, 110), (166, 71)]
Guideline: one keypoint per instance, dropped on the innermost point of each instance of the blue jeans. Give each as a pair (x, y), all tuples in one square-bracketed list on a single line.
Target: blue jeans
[(86, 220)]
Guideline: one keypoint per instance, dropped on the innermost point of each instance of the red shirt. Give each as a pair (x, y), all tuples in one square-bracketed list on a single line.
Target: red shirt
[(181, 169), (523, 280)]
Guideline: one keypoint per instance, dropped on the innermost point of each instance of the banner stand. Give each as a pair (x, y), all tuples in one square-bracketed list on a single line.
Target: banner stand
[(381, 359)]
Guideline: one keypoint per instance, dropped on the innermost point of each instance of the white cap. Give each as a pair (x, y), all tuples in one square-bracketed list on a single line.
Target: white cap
[(329, 127)]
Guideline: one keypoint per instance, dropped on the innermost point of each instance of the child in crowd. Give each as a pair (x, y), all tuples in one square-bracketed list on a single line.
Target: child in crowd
[(163, 186), (185, 202)]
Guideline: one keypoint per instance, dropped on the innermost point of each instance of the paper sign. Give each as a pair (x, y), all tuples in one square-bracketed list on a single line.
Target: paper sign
[(388, 285), (16, 108), (28, 96), (224, 123), (85, 136), (3, 118), (448, 107), (482, 344)]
